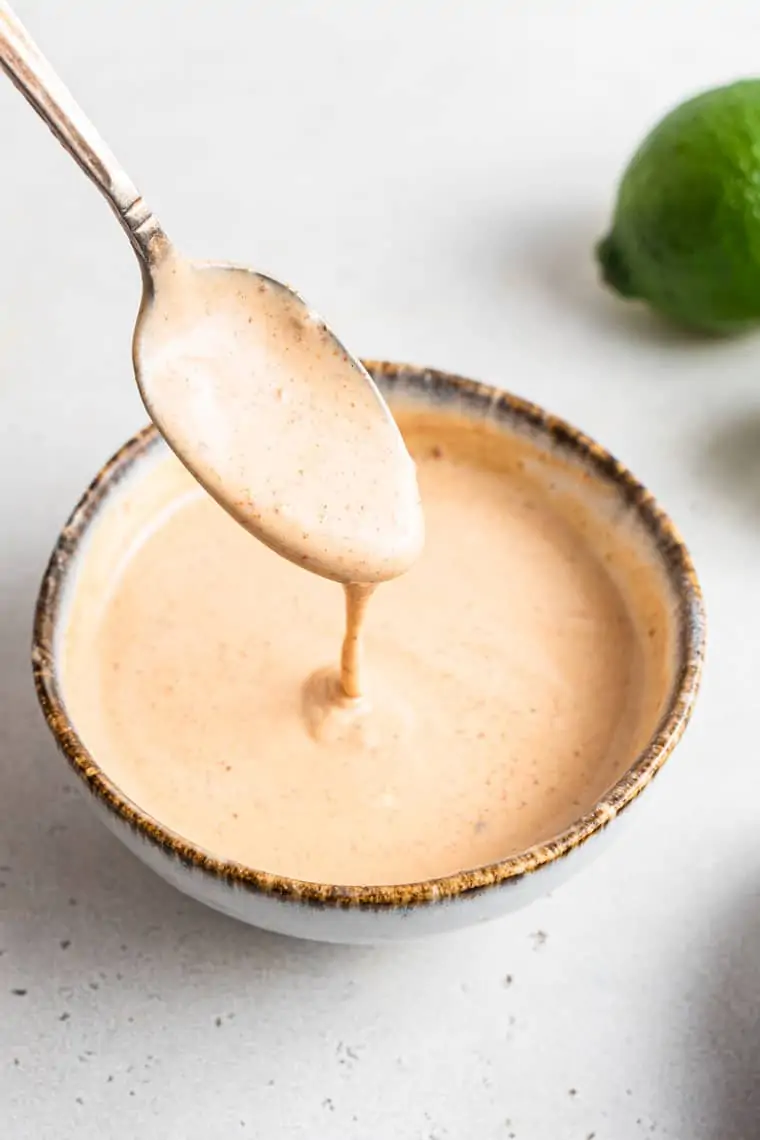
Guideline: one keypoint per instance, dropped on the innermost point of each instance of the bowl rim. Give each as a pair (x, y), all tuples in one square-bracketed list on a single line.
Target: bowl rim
[(494, 403)]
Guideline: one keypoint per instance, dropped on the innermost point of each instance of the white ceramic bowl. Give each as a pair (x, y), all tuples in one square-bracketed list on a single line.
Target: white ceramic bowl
[(370, 913)]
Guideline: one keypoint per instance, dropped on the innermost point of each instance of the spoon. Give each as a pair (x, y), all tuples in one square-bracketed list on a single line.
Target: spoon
[(249, 387)]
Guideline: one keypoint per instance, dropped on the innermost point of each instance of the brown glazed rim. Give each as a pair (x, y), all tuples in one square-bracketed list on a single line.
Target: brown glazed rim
[(484, 401)]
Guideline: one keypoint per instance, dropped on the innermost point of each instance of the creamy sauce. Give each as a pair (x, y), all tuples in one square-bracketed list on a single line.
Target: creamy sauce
[(278, 423), (512, 674)]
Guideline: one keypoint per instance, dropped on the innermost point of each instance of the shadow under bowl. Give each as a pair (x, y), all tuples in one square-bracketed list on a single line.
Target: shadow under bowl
[(356, 914)]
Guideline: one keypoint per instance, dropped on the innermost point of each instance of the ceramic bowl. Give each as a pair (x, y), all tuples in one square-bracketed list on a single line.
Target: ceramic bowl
[(378, 913)]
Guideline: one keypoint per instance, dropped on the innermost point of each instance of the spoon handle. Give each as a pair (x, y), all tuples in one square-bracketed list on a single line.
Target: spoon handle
[(37, 81)]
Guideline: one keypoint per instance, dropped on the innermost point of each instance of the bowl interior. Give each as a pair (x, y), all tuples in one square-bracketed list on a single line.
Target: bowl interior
[(655, 578)]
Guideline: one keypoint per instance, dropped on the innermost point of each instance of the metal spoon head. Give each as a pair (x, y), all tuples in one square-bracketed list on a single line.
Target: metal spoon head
[(276, 419)]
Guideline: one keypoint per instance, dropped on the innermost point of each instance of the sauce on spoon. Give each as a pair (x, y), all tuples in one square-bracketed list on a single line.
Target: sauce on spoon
[(278, 422)]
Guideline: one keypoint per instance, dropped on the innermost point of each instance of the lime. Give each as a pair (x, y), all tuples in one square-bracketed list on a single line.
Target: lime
[(685, 235)]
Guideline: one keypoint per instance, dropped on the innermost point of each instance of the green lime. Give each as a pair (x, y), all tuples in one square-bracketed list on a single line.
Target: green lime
[(685, 235)]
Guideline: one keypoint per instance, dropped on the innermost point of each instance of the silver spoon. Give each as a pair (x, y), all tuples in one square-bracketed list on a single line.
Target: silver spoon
[(249, 387)]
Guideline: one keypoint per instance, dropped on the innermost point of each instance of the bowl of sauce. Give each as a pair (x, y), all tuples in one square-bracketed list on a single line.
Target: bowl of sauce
[(518, 687)]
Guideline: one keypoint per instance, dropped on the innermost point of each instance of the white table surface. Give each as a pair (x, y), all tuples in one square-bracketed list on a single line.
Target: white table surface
[(432, 176)]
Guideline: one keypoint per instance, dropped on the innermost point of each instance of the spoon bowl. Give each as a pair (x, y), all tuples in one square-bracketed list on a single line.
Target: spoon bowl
[(276, 419)]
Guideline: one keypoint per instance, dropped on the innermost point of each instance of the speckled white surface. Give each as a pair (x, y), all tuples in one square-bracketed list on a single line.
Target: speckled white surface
[(432, 176)]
